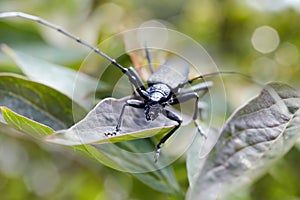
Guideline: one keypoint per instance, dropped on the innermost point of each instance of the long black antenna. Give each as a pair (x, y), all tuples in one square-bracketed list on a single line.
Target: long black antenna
[(64, 32), (223, 73), (127, 71)]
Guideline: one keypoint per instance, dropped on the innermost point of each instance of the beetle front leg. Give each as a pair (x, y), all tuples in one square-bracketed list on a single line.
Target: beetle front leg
[(172, 116), (131, 102)]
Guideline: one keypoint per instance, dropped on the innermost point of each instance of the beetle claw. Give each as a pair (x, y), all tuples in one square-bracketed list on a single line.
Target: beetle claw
[(202, 133), (200, 130), (110, 134), (156, 155), (157, 152)]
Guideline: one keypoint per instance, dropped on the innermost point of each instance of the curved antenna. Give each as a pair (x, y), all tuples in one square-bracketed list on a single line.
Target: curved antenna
[(148, 56), (223, 73), (64, 32)]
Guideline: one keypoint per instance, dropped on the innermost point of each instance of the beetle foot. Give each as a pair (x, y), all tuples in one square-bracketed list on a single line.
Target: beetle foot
[(200, 130), (157, 152), (110, 134)]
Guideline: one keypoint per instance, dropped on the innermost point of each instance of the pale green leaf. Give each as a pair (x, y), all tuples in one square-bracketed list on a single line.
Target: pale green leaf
[(74, 84), (103, 119), (38, 102)]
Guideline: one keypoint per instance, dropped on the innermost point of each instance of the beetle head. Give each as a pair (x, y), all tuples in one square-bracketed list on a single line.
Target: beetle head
[(152, 110)]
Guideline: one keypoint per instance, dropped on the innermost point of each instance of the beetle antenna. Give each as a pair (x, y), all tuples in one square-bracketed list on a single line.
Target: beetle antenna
[(224, 73), (148, 56), (64, 32)]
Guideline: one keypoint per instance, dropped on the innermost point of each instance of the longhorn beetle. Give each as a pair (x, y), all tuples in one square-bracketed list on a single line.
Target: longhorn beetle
[(164, 88)]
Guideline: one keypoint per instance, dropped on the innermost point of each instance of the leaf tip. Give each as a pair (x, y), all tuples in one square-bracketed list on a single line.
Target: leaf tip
[(4, 109), (51, 138)]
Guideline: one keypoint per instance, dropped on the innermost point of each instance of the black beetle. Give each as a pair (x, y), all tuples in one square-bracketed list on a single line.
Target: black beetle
[(165, 87)]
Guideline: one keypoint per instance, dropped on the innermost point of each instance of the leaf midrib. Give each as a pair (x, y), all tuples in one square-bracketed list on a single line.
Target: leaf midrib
[(259, 157)]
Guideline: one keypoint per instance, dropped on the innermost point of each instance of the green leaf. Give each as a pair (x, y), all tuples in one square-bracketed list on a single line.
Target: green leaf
[(30, 105), (253, 138), (74, 84), (103, 119), (25, 125), (198, 151), (136, 157), (162, 180), (38, 102)]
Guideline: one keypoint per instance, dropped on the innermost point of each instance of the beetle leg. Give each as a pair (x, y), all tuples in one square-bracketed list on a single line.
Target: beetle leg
[(137, 82), (131, 102), (202, 107), (186, 97), (203, 86), (172, 116)]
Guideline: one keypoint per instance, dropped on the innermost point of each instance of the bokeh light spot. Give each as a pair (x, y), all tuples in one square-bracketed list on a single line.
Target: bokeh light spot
[(287, 54), (264, 69), (265, 39)]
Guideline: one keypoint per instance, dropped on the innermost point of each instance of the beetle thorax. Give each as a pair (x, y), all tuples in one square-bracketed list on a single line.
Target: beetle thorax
[(158, 94)]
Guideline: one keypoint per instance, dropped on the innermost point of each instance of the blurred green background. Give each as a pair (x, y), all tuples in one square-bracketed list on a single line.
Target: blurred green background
[(260, 38)]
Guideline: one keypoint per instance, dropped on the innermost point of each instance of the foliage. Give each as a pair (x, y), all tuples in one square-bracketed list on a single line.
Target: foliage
[(52, 125)]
